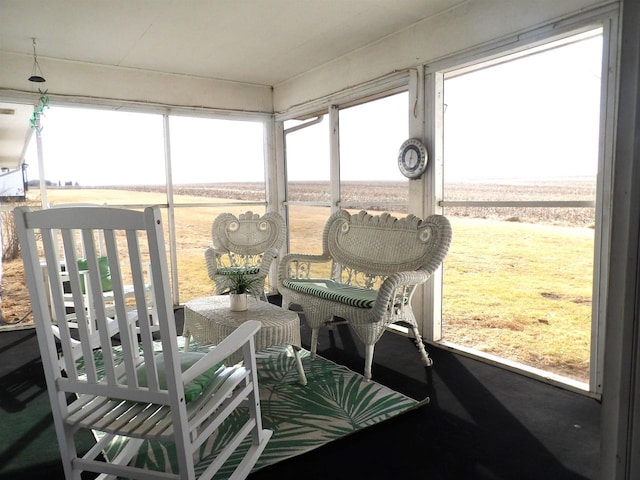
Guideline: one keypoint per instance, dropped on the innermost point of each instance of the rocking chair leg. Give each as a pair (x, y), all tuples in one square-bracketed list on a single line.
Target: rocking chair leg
[(314, 342), (301, 375)]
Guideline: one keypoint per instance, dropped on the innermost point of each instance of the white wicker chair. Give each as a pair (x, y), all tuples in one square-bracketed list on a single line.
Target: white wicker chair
[(366, 275), (130, 391), (248, 243)]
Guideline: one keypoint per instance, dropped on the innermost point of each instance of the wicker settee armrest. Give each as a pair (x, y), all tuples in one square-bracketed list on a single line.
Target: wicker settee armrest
[(295, 265), (398, 284)]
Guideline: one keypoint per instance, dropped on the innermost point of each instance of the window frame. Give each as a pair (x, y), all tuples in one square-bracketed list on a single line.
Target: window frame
[(434, 74), (312, 113), (165, 113)]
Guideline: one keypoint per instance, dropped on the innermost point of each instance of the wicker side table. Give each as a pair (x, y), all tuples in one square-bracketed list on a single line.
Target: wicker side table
[(209, 320)]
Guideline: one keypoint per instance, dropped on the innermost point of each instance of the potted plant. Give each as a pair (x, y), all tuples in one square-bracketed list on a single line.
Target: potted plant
[(238, 284)]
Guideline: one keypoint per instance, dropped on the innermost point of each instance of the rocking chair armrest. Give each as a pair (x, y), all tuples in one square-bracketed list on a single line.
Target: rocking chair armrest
[(234, 342)]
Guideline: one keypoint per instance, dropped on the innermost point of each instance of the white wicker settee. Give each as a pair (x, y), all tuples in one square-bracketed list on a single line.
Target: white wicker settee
[(366, 275)]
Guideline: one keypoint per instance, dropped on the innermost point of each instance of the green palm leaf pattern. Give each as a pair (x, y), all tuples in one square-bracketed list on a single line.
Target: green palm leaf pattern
[(336, 402)]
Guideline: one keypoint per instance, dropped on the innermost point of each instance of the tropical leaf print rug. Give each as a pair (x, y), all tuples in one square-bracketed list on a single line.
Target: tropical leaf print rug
[(336, 402)]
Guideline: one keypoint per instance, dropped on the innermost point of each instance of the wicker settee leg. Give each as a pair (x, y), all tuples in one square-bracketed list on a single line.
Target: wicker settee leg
[(426, 359), (368, 361)]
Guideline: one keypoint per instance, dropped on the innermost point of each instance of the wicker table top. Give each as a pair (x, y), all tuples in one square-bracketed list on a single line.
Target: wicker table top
[(209, 320)]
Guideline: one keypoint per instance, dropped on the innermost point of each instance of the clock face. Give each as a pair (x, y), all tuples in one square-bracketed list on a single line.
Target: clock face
[(412, 158)]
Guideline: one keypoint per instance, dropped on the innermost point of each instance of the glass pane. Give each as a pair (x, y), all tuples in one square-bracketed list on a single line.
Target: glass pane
[(193, 236), (305, 228), (89, 156), (307, 160), (370, 136), (537, 119), (99, 156), (214, 160), (521, 291), (518, 280)]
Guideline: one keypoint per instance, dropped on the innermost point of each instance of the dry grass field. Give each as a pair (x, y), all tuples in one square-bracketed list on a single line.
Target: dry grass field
[(517, 281)]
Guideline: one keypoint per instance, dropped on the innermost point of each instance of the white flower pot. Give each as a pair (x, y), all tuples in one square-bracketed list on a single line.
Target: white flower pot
[(238, 302)]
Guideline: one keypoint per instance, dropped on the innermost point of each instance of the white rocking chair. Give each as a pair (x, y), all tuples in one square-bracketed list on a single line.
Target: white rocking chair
[(133, 391)]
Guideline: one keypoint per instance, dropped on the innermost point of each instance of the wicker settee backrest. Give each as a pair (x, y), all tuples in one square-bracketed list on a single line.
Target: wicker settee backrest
[(383, 245)]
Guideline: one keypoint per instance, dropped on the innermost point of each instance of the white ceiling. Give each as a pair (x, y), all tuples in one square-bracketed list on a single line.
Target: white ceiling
[(257, 41), (263, 42)]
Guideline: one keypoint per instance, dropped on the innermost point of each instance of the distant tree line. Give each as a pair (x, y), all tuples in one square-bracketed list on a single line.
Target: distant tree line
[(49, 183)]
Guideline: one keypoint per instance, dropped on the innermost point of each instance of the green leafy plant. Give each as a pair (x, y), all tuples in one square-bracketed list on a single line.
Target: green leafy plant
[(38, 111), (241, 282)]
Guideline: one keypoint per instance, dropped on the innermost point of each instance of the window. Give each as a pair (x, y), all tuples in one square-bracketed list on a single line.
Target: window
[(217, 159), (118, 158), (521, 157), (100, 153), (370, 136), (215, 163), (308, 183)]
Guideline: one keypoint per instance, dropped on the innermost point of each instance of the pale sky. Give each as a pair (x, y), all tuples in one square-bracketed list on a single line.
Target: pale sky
[(99, 147), (537, 116)]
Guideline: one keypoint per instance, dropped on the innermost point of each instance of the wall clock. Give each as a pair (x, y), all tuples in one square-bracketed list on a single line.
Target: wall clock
[(412, 158)]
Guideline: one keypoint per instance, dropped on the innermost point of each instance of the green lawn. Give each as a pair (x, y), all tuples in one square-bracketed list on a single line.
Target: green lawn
[(522, 291)]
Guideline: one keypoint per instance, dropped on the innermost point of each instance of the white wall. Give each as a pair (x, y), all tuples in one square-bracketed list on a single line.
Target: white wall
[(77, 79), (620, 425), (470, 25)]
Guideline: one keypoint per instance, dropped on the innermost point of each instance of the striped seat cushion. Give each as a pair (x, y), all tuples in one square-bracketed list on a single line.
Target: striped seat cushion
[(231, 270), (334, 291)]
